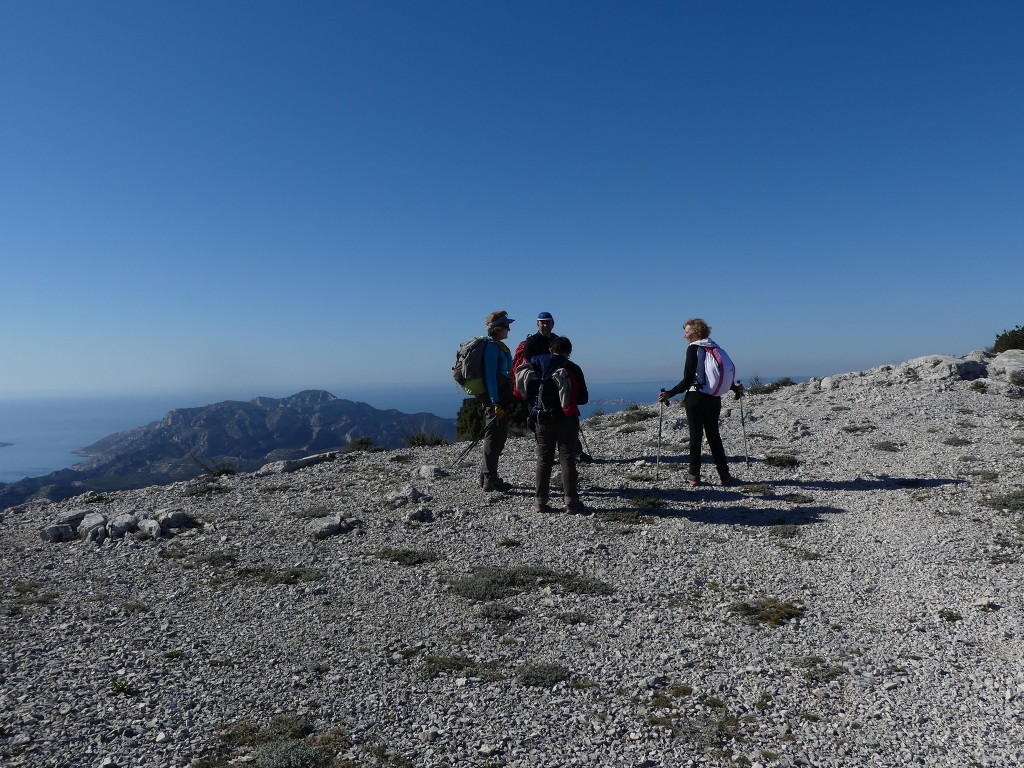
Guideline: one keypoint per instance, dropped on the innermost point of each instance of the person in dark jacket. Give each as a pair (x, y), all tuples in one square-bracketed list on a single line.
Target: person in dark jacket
[(559, 429), (702, 408), (497, 398), (539, 343)]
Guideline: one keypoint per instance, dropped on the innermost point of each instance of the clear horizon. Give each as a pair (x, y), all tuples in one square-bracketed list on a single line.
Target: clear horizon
[(266, 198)]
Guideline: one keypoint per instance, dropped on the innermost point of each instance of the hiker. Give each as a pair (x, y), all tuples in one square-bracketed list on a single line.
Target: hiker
[(540, 344), (556, 388), (497, 364), (707, 373)]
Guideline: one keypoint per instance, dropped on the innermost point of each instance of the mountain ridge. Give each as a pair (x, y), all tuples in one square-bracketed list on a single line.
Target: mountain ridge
[(241, 435)]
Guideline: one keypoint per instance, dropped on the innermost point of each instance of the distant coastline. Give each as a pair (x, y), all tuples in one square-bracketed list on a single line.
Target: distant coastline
[(46, 433)]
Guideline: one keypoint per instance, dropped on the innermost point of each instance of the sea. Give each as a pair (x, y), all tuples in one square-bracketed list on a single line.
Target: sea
[(40, 434)]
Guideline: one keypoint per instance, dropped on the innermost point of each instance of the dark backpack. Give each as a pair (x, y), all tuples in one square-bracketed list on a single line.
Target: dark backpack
[(468, 370), (545, 405)]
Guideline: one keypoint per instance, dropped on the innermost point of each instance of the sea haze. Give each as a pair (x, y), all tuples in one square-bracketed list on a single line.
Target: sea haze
[(44, 431)]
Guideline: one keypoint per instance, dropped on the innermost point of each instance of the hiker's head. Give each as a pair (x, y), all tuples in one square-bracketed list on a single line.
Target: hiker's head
[(561, 346), (498, 324), (695, 328), (545, 322)]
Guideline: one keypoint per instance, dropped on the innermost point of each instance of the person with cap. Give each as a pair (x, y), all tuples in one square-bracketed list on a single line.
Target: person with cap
[(497, 398), (540, 344)]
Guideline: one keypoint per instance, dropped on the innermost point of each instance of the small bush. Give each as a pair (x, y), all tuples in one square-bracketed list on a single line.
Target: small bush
[(951, 616), (979, 386), (434, 666), (784, 531), (768, 610), (858, 428), (956, 441), (647, 502), (408, 557), (633, 414), (758, 388), (500, 612), (1012, 339), (783, 461), (887, 445), (423, 440), (1011, 502), (542, 675), (362, 444)]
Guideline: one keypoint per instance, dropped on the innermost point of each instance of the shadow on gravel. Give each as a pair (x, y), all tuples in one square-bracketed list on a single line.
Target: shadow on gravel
[(761, 516), (880, 482)]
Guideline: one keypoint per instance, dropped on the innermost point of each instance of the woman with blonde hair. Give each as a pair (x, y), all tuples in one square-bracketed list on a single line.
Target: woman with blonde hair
[(707, 373)]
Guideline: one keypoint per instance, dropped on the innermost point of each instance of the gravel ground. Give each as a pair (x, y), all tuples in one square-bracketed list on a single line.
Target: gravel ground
[(861, 608)]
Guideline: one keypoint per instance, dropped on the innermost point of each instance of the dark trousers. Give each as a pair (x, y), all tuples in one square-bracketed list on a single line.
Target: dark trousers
[(563, 435), (495, 435), (702, 413)]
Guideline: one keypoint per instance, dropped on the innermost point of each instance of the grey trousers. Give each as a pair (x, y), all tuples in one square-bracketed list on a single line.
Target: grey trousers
[(563, 435)]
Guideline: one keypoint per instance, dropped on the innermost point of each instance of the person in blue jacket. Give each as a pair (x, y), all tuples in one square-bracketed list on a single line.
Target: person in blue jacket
[(497, 398)]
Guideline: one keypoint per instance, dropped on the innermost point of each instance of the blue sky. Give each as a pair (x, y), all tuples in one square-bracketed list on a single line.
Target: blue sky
[(263, 197)]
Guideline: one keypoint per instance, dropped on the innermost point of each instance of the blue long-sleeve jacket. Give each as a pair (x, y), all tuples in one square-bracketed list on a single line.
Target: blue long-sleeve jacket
[(497, 366)]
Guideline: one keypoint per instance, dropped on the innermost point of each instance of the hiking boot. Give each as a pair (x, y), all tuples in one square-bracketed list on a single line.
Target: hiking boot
[(584, 458), (694, 481), (575, 507), (541, 508), (728, 480), (494, 484)]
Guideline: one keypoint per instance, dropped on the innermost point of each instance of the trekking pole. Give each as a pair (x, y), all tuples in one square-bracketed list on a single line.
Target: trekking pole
[(583, 438), (661, 418), (472, 445), (743, 425)]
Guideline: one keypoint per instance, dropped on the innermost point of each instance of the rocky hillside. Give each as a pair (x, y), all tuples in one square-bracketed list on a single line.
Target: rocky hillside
[(240, 435), (855, 601)]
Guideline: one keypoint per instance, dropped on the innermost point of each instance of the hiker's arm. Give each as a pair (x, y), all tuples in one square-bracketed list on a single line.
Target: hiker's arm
[(524, 375), (689, 375)]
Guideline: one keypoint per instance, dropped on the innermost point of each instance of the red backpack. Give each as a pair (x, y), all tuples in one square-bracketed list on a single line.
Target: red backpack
[(518, 359)]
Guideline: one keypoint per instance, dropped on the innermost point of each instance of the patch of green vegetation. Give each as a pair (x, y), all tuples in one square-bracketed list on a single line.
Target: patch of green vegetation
[(630, 428), (761, 436), (858, 428), (978, 386), (949, 615), (634, 414), (817, 670), (757, 387), (500, 612), (887, 445), (173, 655), (434, 666), (542, 675), (797, 498), (757, 489), (768, 610), (510, 543), (784, 530), (408, 557), (495, 583), (956, 441), (783, 460), (647, 502), (424, 440), (1013, 501), (625, 517), (135, 607), (271, 574)]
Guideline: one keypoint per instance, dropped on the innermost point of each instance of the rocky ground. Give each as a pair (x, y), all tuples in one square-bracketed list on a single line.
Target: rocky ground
[(855, 601)]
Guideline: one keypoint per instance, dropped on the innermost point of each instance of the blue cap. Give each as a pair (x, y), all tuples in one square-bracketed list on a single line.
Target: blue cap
[(545, 316)]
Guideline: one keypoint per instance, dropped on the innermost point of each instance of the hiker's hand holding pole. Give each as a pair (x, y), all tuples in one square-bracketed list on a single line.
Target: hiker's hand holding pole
[(663, 396), (498, 411), (738, 390)]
